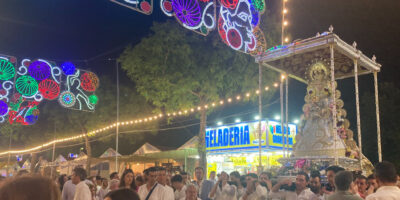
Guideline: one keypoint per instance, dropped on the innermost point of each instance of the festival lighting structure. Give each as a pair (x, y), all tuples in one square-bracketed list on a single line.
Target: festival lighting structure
[(149, 118), (285, 23), (277, 117)]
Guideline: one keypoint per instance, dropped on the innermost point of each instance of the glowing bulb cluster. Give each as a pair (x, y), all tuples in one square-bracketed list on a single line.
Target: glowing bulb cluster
[(150, 118), (285, 23)]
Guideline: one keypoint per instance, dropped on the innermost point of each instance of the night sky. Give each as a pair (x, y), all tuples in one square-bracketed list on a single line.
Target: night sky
[(88, 32)]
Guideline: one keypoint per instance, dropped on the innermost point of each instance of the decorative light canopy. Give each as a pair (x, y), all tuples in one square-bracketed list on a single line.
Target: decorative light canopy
[(143, 6)]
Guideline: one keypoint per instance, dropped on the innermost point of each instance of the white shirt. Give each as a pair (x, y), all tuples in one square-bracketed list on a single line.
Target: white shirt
[(261, 193), (386, 193), (306, 194), (179, 194), (82, 191), (102, 193), (185, 198), (158, 192), (169, 193), (228, 192), (68, 191)]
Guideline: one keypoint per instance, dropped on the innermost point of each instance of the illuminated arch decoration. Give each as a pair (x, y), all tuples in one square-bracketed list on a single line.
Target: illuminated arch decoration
[(68, 68), (261, 42), (143, 6), (80, 87), (67, 99), (26, 85), (258, 5), (23, 112), (196, 15), (166, 7), (236, 25), (89, 81), (49, 89), (7, 70), (39, 70)]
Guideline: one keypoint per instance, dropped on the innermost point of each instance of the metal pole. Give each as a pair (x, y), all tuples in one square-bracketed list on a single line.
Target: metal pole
[(287, 115), (54, 149), (378, 123), (259, 114), (9, 156), (334, 102), (358, 111), (282, 118), (117, 126)]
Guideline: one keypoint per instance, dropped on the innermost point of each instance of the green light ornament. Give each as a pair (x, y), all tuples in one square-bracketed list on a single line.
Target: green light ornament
[(259, 5), (93, 99), (7, 70), (26, 85)]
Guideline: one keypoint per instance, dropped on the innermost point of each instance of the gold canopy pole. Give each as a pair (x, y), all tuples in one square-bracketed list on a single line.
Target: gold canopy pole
[(378, 123), (358, 111), (333, 99)]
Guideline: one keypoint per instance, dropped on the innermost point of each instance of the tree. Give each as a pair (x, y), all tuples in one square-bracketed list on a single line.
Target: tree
[(176, 69)]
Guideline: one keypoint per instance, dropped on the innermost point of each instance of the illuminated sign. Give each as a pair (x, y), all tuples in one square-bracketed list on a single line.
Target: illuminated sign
[(245, 136)]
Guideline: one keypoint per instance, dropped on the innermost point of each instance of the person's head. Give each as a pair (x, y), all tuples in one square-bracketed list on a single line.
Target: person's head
[(224, 176), (114, 175), (92, 189), (29, 187), (212, 175), (62, 179), (127, 180), (114, 184), (265, 176), (104, 183), (385, 173), (199, 173), (331, 172), (361, 182), (98, 180), (161, 175), (235, 176), (343, 180), (302, 180), (371, 181), (139, 180), (251, 178), (191, 192), (78, 175), (177, 182), (122, 194), (151, 175), (315, 182), (184, 177)]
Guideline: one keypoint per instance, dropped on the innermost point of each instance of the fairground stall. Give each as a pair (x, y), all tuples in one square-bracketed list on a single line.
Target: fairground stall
[(235, 147)]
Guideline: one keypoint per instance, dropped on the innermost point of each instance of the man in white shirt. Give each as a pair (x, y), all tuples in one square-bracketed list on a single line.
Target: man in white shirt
[(222, 190), (204, 186), (151, 190), (386, 177), (254, 190), (180, 188), (82, 191), (103, 189), (162, 179), (68, 191), (191, 192), (300, 192), (212, 177)]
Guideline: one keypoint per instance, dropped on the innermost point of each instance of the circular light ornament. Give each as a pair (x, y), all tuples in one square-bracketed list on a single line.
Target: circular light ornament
[(259, 5), (26, 85), (188, 12), (89, 81), (7, 70), (67, 99), (3, 108), (49, 89), (68, 68), (93, 99), (39, 70)]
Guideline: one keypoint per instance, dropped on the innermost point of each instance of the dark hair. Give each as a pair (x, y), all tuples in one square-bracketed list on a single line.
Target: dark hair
[(235, 174), (243, 180), (123, 194), (177, 178), (29, 187), (301, 173), (200, 168), (361, 177), (61, 181), (269, 175), (253, 175), (139, 178), (79, 171), (161, 169), (122, 181), (372, 176), (334, 168), (112, 175), (184, 173), (315, 174), (386, 172), (151, 169), (343, 180), (98, 178)]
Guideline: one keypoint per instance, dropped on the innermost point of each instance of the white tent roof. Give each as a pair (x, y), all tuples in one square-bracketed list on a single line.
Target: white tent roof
[(60, 158), (81, 156), (190, 144), (146, 148), (110, 152)]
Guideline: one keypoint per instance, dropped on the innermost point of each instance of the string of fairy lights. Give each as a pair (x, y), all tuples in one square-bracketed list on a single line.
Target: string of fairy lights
[(285, 23), (150, 118)]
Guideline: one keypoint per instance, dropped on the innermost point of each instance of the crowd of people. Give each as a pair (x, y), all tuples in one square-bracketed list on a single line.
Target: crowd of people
[(156, 183)]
